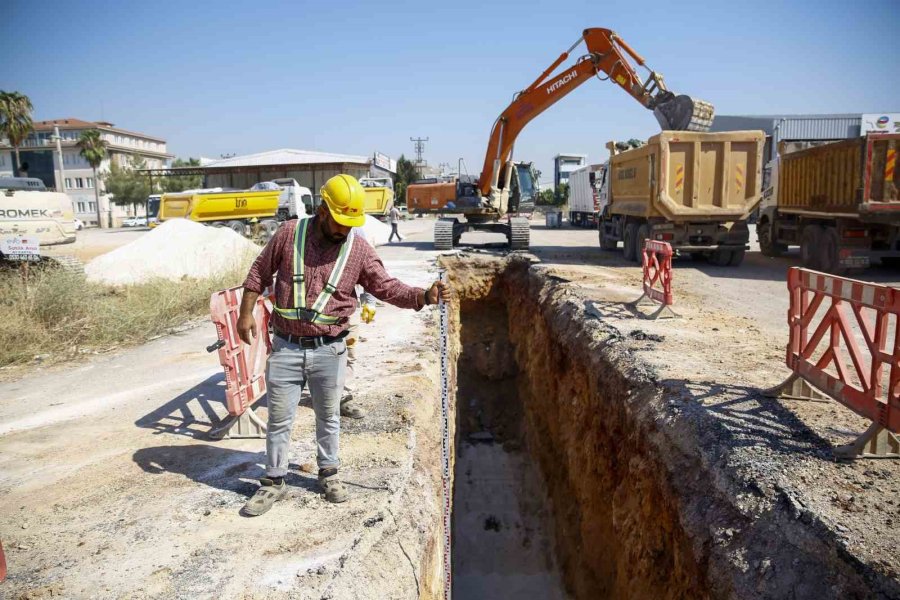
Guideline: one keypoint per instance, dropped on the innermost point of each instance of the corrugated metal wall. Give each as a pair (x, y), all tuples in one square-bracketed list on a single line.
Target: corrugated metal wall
[(818, 127), (311, 176)]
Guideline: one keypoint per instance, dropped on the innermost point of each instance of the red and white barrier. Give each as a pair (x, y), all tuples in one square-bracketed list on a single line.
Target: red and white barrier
[(657, 280), (244, 365), (845, 342)]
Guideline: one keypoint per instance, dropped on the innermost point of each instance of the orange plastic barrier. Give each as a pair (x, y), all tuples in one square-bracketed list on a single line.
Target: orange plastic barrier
[(657, 282), (2, 564), (845, 342), (244, 365)]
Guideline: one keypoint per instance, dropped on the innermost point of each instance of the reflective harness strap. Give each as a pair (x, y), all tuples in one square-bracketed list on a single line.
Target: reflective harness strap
[(314, 314)]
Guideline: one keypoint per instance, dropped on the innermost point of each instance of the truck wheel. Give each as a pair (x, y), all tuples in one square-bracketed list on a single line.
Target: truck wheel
[(829, 251), (721, 258), (810, 241), (643, 233), (268, 229), (630, 242), (236, 226), (765, 232), (605, 242), (737, 257)]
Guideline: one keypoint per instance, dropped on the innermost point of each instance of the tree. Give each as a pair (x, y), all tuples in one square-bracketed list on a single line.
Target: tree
[(126, 185), (406, 174), (15, 119), (179, 184), (92, 148)]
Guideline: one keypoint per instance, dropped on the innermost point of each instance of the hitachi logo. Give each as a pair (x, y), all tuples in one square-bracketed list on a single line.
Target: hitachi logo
[(13, 213), (562, 81)]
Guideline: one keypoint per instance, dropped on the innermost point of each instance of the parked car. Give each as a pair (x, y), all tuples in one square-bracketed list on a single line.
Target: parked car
[(135, 222), (79, 224)]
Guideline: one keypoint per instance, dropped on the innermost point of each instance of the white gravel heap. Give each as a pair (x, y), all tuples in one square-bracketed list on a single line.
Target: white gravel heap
[(176, 249), (376, 232)]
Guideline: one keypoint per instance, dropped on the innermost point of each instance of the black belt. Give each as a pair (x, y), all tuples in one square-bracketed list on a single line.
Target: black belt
[(311, 342)]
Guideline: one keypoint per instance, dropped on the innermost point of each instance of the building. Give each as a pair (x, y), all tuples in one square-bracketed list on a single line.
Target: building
[(311, 169), (564, 164), (799, 130), (39, 153)]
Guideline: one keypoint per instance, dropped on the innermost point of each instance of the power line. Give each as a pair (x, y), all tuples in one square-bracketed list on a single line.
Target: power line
[(420, 149)]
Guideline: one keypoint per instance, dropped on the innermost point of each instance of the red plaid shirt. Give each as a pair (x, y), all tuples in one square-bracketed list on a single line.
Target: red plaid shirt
[(363, 267)]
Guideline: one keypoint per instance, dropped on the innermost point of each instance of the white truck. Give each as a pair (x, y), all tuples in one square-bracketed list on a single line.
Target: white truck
[(587, 186), (295, 200)]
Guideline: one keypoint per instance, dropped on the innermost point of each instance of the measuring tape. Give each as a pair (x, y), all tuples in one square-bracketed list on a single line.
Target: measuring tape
[(445, 436)]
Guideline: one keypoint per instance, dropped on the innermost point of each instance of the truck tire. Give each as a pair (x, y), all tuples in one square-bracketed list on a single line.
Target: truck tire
[(829, 251), (810, 241), (236, 226), (737, 257), (765, 232), (630, 242), (721, 258), (268, 229), (605, 242), (643, 233)]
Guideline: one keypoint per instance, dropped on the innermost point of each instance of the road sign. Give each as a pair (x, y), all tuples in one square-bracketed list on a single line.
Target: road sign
[(21, 248)]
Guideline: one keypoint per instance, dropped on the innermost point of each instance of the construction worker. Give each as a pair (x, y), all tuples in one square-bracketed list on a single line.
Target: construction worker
[(318, 262)]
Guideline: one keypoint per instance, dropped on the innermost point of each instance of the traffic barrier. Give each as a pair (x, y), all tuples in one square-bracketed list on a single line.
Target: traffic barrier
[(828, 318), (244, 365), (657, 262)]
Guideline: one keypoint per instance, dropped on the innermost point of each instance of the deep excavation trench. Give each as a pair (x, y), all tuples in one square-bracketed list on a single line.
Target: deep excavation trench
[(556, 492)]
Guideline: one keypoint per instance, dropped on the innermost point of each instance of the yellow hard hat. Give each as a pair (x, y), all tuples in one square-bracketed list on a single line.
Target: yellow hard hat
[(345, 199)]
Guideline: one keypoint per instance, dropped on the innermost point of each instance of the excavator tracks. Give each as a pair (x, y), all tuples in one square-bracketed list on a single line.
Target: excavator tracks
[(443, 235), (519, 233)]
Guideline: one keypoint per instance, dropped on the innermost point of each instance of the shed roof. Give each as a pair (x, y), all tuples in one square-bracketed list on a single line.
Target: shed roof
[(286, 156)]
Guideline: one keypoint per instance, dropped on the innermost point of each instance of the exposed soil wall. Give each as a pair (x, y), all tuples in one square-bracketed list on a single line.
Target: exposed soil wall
[(644, 502)]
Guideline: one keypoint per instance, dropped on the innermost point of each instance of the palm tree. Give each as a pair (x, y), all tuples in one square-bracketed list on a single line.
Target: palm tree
[(15, 119), (92, 148)]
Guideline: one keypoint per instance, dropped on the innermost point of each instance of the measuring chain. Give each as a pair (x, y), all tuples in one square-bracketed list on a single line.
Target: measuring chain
[(445, 437)]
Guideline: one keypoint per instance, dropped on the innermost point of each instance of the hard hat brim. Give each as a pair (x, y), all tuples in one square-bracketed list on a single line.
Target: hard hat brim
[(347, 220)]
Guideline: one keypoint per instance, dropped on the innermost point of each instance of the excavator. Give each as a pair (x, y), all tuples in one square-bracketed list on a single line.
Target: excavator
[(492, 203)]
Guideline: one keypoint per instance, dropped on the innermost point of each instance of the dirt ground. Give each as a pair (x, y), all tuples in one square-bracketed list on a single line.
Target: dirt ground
[(109, 488)]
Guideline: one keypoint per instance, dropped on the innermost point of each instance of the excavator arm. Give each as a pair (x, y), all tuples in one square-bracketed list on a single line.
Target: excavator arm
[(607, 59)]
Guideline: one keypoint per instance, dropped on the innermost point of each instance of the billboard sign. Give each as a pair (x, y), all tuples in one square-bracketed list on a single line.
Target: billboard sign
[(880, 123)]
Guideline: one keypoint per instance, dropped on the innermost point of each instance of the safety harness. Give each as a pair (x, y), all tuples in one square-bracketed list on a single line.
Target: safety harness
[(313, 314)]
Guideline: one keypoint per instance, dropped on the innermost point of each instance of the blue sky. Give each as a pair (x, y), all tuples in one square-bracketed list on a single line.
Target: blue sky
[(355, 77)]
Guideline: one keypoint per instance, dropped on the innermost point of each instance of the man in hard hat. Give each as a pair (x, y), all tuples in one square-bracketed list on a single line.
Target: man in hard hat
[(318, 262)]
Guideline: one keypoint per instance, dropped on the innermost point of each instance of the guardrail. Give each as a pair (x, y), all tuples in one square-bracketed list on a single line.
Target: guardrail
[(244, 365), (657, 263), (845, 343)]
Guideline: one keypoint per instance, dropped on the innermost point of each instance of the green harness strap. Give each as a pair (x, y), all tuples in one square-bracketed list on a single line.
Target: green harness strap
[(314, 314)]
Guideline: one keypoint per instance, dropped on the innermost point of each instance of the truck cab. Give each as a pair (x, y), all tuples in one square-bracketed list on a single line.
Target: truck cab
[(295, 200)]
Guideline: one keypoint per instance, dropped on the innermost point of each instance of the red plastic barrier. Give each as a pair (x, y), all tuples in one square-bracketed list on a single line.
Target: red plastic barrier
[(244, 364), (2, 564), (845, 341), (657, 281)]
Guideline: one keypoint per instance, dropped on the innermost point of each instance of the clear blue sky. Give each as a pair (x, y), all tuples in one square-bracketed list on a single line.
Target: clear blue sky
[(217, 77)]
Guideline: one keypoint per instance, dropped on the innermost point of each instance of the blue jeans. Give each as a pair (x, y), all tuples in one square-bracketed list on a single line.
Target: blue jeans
[(289, 368)]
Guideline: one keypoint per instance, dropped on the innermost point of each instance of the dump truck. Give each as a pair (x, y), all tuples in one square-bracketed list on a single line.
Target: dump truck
[(586, 185), (28, 211), (244, 211), (379, 196), (693, 190), (506, 188), (837, 201)]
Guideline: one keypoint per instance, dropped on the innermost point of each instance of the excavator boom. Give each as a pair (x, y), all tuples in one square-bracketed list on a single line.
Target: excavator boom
[(607, 59)]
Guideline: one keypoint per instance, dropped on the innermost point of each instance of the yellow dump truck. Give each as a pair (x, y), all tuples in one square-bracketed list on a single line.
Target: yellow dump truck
[(839, 202), (693, 190), (233, 209), (379, 196)]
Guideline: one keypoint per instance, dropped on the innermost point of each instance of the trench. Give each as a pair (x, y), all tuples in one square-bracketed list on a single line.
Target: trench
[(556, 492)]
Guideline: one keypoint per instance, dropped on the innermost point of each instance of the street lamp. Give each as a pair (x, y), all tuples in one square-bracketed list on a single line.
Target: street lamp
[(62, 170)]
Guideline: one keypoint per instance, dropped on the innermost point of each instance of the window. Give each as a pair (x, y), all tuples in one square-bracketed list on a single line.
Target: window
[(79, 182), (92, 206), (69, 182), (81, 207), (90, 182)]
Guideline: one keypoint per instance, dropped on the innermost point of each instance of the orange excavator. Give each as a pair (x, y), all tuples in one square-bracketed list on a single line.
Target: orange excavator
[(505, 187)]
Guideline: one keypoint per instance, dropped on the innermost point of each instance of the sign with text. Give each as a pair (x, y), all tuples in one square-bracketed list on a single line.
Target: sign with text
[(880, 123), (20, 248)]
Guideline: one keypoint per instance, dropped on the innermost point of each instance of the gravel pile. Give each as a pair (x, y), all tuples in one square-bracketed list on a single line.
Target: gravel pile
[(376, 232), (176, 249)]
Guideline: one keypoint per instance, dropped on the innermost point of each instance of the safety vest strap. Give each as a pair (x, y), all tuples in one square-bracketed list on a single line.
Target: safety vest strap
[(314, 314)]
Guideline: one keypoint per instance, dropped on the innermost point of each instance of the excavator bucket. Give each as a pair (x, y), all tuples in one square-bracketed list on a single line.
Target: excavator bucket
[(683, 113)]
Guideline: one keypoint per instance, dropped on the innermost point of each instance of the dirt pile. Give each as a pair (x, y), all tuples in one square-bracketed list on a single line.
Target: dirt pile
[(177, 249)]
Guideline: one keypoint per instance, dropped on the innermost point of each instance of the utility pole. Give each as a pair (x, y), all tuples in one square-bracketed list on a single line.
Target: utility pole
[(419, 144), (61, 184)]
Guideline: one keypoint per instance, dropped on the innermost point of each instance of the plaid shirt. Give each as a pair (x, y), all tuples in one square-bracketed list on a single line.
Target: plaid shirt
[(363, 267)]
